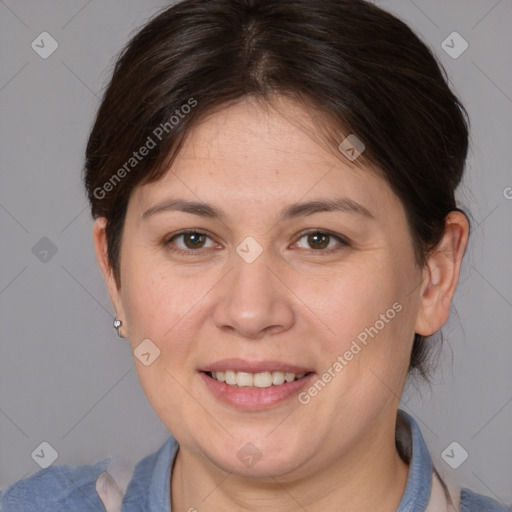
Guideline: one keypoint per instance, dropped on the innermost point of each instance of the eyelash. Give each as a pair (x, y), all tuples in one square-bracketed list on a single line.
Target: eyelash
[(193, 252)]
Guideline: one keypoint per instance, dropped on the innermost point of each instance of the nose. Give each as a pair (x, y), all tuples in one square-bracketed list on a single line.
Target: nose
[(254, 300)]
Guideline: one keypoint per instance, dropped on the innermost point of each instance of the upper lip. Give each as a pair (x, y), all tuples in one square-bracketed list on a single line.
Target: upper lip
[(241, 365)]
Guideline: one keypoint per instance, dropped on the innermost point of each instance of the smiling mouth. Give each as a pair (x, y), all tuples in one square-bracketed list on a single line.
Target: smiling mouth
[(255, 380)]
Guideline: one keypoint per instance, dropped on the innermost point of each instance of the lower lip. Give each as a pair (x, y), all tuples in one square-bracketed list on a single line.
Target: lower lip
[(254, 398)]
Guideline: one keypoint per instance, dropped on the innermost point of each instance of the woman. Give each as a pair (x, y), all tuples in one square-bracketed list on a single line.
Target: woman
[(272, 184)]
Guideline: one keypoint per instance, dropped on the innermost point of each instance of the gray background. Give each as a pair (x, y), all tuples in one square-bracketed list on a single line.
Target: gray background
[(65, 378)]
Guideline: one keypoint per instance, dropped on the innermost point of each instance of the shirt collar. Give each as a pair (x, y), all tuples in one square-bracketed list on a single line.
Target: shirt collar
[(419, 481), (150, 484)]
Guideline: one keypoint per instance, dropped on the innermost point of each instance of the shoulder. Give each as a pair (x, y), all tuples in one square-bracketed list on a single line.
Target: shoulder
[(96, 487), (59, 487), (472, 502)]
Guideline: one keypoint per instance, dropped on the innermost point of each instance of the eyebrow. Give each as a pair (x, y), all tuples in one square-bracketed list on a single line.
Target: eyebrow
[(202, 209)]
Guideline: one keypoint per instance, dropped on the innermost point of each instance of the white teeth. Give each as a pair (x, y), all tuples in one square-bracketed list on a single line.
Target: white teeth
[(259, 380), (277, 378), (243, 379), (262, 380), (230, 378)]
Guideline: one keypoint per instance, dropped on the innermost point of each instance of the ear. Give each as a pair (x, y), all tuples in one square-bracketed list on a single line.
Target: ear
[(441, 275), (100, 247)]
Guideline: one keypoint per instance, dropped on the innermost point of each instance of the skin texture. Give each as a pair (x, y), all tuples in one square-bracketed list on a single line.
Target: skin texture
[(296, 303)]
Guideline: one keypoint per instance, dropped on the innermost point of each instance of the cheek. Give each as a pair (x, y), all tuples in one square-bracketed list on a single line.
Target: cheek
[(370, 317), (352, 300), (161, 307), (157, 298)]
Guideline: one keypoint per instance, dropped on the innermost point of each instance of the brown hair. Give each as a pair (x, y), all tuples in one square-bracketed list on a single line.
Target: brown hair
[(364, 70)]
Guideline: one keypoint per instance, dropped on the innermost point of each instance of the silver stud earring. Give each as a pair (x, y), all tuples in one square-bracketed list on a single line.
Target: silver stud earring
[(117, 326)]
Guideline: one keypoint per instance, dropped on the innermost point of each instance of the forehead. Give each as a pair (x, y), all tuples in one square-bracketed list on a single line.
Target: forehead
[(257, 131), (272, 155)]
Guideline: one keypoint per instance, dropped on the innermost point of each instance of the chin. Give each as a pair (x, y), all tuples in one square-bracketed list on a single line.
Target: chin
[(257, 461)]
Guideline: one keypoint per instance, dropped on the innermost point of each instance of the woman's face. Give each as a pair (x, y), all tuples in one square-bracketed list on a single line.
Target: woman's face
[(273, 287)]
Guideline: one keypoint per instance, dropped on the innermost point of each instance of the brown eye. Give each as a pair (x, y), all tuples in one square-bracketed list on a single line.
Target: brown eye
[(318, 240), (321, 240), (193, 240), (188, 242)]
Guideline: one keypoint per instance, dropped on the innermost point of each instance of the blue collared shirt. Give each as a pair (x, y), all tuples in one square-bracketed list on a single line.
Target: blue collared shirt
[(61, 488)]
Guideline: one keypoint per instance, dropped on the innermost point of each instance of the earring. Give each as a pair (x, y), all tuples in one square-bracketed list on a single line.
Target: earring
[(117, 326)]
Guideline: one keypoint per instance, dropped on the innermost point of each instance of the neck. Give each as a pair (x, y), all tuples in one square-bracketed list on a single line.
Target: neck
[(371, 476)]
